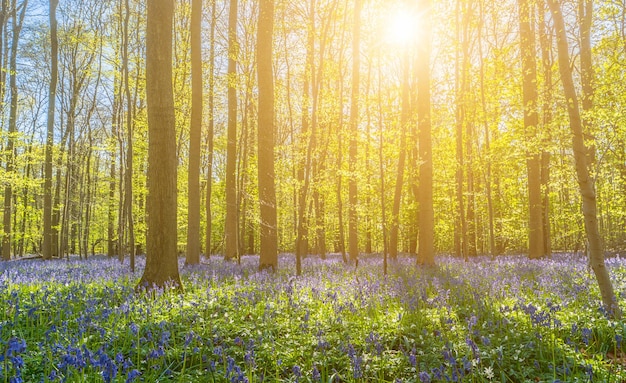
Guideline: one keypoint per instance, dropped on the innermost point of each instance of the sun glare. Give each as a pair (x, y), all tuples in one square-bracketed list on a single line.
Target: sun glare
[(401, 27)]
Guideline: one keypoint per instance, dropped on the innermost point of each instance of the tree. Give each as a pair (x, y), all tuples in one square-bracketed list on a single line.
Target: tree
[(195, 134), (353, 239), (397, 196), (230, 229), (462, 89), (210, 132), (266, 132), (426, 243), (8, 190), (531, 126), (128, 174), (161, 260), (585, 182), (49, 250)]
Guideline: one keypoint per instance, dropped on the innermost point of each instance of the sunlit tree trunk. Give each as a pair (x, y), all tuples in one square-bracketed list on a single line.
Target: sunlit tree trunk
[(397, 197), (531, 127), (128, 174), (468, 124), (426, 242), (307, 143), (353, 239), (368, 164), (266, 133), (17, 22), (585, 13), (195, 135), (161, 257), (487, 140), (210, 133), (585, 182), (546, 60), (48, 244), (381, 168), (460, 79), (230, 229)]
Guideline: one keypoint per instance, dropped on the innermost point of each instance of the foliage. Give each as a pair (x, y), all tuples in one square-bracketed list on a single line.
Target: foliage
[(507, 320)]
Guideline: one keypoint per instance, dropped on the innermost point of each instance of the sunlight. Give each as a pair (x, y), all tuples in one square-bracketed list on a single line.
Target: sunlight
[(402, 27)]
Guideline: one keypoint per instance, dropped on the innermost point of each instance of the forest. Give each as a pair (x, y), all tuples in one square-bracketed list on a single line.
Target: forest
[(347, 160), (409, 190)]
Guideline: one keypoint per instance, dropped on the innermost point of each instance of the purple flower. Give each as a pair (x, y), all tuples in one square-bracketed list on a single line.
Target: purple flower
[(316, 374), (132, 375)]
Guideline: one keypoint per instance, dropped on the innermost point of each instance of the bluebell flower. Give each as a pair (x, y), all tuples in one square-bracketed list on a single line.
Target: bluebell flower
[(297, 372), (424, 377), (132, 375), (316, 374)]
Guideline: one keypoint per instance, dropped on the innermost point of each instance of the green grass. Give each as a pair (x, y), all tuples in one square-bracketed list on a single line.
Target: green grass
[(509, 320)]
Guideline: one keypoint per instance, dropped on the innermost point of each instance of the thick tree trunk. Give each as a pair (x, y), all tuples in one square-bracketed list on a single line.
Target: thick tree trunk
[(585, 182), (426, 242), (266, 133), (161, 261), (195, 136)]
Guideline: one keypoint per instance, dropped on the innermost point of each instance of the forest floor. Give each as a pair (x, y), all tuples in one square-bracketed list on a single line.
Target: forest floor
[(507, 320)]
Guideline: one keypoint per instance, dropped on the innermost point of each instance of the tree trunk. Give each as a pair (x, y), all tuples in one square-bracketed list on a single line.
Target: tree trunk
[(426, 251), (397, 198), (195, 135), (460, 81), (266, 132), (209, 181), (546, 59), (10, 149), (353, 239), (161, 261), (47, 249), (531, 127), (585, 182), (230, 227), (111, 208)]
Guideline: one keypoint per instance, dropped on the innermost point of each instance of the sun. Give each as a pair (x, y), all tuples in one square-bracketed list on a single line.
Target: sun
[(401, 26)]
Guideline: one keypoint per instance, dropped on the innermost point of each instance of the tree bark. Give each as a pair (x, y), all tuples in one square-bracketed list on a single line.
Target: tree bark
[(10, 149), (230, 227), (585, 182), (531, 127), (161, 257), (195, 136), (426, 242), (266, 133), (460, 80), (47, 249), (210, 133), (353, 239)]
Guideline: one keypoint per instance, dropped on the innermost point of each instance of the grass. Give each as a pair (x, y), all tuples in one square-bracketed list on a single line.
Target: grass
[(509, 320)]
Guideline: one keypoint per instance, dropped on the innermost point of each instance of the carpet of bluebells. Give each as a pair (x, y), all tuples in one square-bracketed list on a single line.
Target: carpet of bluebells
[(507, 320)]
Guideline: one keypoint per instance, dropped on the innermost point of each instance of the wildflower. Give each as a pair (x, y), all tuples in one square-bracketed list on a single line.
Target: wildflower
[(316, 374), (488, 372), (297, 372), (424, 377), (586, 333)]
